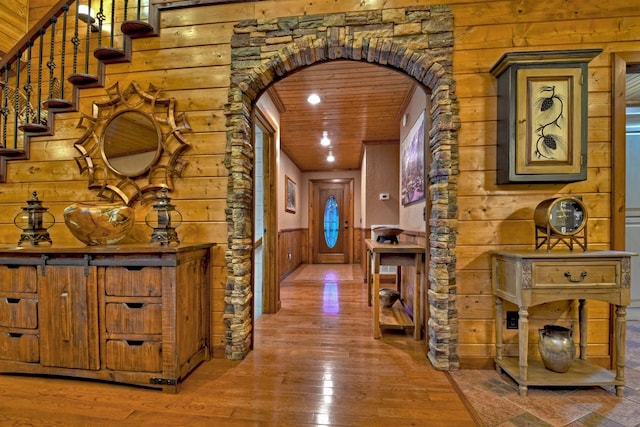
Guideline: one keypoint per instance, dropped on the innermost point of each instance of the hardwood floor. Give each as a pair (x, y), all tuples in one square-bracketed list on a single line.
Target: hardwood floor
[(315, 363)]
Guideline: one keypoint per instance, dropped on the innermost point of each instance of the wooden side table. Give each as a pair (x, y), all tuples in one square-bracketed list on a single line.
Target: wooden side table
[(401, 254), (529, 278)]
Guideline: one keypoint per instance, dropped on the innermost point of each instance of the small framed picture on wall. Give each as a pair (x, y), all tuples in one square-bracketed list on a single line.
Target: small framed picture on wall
[(290, 192)]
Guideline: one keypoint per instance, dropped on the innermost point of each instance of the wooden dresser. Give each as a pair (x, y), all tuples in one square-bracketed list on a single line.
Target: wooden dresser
[(529, 278), (134, 314)]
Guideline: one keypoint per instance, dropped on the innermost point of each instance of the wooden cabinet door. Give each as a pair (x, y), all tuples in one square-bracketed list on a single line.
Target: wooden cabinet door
[(68, 317)]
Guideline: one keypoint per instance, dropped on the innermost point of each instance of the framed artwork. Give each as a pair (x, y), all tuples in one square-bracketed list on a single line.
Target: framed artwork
[(412, 185), (290, 192), (549, 122), (542, 116)]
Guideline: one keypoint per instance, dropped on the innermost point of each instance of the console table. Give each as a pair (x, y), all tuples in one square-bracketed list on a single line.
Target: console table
[(529, 278), (401, 254), (136, 314)]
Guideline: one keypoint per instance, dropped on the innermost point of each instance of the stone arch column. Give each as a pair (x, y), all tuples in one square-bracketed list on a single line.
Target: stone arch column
[(417, 41)]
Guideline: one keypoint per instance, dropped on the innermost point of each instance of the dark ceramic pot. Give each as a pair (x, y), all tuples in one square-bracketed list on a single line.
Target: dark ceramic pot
[(388, 296)]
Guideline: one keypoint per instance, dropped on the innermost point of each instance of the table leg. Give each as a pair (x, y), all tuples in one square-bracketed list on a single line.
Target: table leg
[(523, 340), (499, 325), (620, 336), (417, 306), (368, 277), (374, 295), (583, 324)]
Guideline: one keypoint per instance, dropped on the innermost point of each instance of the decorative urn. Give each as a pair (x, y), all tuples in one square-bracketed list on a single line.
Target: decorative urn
[(99, 223), (557, 348)]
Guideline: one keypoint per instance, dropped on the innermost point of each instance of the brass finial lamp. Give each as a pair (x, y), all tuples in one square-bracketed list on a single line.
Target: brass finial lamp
[(34, 220), (164, 219)]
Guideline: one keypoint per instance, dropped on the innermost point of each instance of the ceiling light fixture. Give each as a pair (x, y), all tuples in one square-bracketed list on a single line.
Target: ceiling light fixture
[(325, 141), (330, 157), (313, 99)]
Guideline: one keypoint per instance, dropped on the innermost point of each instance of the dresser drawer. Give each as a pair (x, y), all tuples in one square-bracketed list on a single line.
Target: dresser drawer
[(18, 278), (133, 318), (145, 356), (19, 313), (19, 347), (133, 281), (576, 274)]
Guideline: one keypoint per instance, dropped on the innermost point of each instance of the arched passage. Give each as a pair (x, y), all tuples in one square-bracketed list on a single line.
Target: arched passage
[(417, 41)]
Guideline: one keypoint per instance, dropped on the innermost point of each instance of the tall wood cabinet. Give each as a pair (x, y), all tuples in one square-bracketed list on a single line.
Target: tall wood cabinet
[(134, 314)]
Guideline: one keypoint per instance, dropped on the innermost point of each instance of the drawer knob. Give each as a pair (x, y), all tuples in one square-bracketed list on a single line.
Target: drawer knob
[(572, 280)]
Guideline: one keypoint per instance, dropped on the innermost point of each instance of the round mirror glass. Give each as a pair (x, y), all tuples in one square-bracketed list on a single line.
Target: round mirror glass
[(130, 143)]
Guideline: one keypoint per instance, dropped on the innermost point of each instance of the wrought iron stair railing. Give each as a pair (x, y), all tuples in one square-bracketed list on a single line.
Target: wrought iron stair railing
[(66, 50)]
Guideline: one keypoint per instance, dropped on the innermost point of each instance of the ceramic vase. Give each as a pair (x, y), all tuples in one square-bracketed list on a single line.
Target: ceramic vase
[(557, 348), (99, 223)]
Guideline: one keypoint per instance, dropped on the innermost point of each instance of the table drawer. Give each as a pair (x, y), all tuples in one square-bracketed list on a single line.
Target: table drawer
[(18, 278), (130, 355), (134, 318), (133, 281), (19, 313), (576, 274), (19, 347)]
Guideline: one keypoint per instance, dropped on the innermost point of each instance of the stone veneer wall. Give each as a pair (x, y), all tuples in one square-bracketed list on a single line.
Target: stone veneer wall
[(415, 40)]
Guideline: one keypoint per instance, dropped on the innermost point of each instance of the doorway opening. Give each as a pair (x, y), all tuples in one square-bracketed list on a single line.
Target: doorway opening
[(426, 57)]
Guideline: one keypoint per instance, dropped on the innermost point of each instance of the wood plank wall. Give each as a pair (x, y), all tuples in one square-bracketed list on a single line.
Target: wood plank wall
[(14, 17), (191, 59)]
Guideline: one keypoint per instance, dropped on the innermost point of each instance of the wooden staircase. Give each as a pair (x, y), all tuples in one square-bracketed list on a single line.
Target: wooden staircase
[(67, 50)]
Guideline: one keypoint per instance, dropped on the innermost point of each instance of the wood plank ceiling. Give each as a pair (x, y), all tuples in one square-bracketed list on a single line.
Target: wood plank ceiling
[(360, 103)]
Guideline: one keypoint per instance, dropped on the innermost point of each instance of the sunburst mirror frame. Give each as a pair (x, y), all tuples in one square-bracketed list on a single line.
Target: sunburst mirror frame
[(169, 164)]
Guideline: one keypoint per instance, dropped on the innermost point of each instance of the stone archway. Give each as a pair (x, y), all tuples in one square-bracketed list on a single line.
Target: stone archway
[(417, 41)]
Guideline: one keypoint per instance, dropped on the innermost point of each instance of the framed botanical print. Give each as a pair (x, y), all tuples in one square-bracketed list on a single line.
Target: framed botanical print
[(290, 195), (542, 116)]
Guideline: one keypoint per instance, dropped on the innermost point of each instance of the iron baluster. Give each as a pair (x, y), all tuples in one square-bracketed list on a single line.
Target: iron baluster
[(5, 106), (139, 7), (75, 40), (100, 17), (113, 21), (64, 45), (16, 104), (39, 82), (51, 64), (87, 39), (27, 86)]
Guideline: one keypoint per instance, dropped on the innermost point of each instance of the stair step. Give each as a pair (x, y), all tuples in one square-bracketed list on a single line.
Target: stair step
[(109, 54), (81, 79), (136, 29), (56, 104), (33, 128)]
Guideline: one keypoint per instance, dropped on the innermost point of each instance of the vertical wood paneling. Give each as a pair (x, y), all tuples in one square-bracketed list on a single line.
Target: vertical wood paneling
[(292, 251)]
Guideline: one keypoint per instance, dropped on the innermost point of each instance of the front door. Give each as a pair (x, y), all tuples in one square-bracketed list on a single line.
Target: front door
[(331, 214)]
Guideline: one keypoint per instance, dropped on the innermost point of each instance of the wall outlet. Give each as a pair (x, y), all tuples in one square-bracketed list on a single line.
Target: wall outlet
[(384, 196), (512, 320)]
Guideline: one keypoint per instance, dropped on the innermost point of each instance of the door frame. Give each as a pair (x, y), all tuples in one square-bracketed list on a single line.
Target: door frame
[(312, 237), (270, 283), (620, 61)]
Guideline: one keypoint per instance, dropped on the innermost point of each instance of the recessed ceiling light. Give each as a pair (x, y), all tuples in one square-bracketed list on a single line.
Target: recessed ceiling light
[(330, 157), (313, 99), (325, 141)]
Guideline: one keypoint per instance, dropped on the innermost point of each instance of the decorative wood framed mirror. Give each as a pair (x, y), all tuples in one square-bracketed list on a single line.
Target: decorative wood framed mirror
[(132, 145)]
